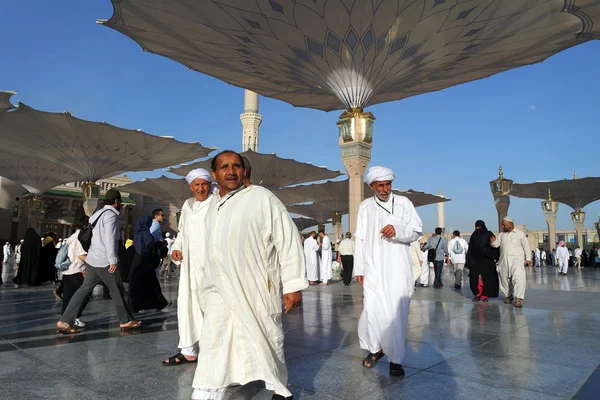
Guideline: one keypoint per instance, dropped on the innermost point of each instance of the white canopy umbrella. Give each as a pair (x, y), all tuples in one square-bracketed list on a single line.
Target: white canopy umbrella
[(167, 190), (5, 104), (303, 223)]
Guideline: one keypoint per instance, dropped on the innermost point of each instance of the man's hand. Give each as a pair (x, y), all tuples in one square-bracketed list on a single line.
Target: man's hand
[(176, 255), (360, 279), (388, 231), (493, 239), (291, 300), (112, 268), (528, 263)]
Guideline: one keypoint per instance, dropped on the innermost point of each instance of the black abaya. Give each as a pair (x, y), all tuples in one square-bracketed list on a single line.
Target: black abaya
[(47, 261), (481, 260), (29, 268)]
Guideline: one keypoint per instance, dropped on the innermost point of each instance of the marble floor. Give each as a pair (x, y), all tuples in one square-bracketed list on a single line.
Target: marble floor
[(456, 349)]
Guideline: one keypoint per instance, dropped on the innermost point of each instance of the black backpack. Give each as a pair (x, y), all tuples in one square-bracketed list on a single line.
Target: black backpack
[(85, 235)]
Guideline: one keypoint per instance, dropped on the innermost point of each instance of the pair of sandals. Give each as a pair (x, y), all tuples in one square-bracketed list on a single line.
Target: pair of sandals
[(178, 359), (71, 330), (518, 302), (373, 359)]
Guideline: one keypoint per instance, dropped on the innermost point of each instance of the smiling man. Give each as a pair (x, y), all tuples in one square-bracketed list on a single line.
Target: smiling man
[(189, 250), (387, 225), (254, 258)]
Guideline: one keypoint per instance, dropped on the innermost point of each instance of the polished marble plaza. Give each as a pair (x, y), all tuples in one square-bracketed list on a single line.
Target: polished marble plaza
[(456, 349)]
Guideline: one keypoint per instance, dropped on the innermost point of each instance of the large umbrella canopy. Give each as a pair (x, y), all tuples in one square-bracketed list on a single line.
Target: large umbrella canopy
[(95, 150), (167, 190), (334, 195), (35, 174), (317, 212), (5, 104), (271, 171), (333, 54), (303, 223), (576, 193)]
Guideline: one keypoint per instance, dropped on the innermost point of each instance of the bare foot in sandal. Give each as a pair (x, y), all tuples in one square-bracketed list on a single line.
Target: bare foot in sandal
[(179, 359), (65, 329), (131, 325), (372, 359)]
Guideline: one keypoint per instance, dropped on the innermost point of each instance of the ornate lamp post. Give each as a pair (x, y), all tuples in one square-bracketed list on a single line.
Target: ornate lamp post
[(501, 188), (578, 218), (597, 225), (550, 207), (356, 140), (36, 211), (91, 196)]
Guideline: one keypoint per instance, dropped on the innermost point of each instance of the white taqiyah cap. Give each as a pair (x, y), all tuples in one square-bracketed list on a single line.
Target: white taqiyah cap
[(198, 173), (375, 174), (508, 219), (167, 234)]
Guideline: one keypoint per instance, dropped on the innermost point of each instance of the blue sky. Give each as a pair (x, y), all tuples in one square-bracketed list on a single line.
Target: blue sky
[(540, 122)]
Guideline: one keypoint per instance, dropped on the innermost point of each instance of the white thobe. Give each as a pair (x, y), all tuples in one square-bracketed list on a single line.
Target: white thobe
[(416, 258), (537, 257), (190, 243), (424, 279), (326, 259), (514, 251), (310, 254), (562, 255), (254, 255), (386, 265)]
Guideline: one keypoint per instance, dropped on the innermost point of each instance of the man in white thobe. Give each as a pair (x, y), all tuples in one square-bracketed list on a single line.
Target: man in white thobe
[(187, 250), (326, 257), (310, 254), (387, 225), (515, 253), (538, 259), (562, 256), (254, 257), (577, 253), (457, 248)]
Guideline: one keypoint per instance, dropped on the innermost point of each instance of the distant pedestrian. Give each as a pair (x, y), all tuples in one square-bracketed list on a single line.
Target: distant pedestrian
[(346, 250), (457, 248), (437, 253)]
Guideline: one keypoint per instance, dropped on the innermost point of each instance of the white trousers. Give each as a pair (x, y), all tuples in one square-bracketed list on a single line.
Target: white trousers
[(563, 266), (578, 262), (458, 273), (512, 280), (424, 278), (191, 351)]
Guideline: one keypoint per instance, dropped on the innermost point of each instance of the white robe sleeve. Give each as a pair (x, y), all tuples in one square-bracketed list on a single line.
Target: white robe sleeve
[(496, 243), (178, 244), (291, 255), (359, 260), (411, 227), (526, 247)]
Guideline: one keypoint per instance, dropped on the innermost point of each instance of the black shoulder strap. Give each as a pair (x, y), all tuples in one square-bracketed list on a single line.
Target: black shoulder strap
[(437, 245), (97, 219)]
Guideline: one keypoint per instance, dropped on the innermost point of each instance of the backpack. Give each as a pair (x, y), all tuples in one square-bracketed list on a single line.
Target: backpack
[(457, 248), (85, 236), (432, 252), (62, 262)]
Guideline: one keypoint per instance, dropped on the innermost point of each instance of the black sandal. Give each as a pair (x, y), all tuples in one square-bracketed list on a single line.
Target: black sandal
[(372, 359), (178, 359), (396, 369), (280, 397)]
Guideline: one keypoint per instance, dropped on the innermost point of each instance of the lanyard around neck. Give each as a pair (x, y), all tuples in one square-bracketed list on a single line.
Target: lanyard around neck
[(383, 208), (233, 194)]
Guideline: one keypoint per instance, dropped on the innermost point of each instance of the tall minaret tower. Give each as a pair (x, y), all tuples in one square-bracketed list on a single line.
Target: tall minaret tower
[(251, 120)]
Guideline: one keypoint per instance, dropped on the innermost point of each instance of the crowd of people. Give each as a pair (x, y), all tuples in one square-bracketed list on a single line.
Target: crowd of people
[(242, 264)]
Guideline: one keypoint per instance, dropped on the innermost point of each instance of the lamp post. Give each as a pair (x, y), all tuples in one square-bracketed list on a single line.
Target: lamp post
[(578, 218), (550, 208), (501, 188), (91, 196), (597, 225), (36, 211), (356, 140), (337, 228)]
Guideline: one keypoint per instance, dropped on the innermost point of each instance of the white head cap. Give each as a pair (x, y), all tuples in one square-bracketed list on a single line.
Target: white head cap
[(167, 234), (198, 173), (508, 219), (375, 174)]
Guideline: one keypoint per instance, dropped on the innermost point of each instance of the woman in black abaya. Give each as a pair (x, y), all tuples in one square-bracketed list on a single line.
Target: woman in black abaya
[(144, 288), (481, 261), (47, 259), (29, 267)]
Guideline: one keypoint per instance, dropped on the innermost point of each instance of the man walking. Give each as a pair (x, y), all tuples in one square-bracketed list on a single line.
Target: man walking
[(101, 266), (438, 244), (310, 255), (387, 225), (577, 253), (253, 258), (457, 248), (346, 249), (515, 252), (326, 260)]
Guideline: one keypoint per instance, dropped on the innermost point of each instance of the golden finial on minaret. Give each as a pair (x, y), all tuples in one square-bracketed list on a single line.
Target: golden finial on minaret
[(549, 195), (500, 173)]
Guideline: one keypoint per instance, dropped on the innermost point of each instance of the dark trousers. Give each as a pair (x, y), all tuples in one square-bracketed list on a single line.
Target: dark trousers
[(94, 276), (438, 267), (348, 265), (70, 284)]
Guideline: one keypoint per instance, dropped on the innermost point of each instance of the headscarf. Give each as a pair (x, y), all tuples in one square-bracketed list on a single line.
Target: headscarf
[(143, 238), (128, 243), (47, 239), (375, 174), (198, 173), (31, 251)]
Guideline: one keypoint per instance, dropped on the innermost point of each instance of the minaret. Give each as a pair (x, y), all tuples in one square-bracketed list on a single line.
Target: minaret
[(440, 213), (251, 120)]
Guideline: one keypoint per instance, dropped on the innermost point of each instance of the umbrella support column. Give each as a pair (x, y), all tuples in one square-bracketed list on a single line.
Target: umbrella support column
[(550, 209), (578, 218), (36, 212), (356, 138), (91, 195)]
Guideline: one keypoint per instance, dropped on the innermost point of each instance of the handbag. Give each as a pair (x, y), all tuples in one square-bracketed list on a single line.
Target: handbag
[(431, 252)]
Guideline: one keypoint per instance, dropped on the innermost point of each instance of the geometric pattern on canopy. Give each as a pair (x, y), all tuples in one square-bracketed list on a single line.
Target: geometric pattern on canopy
[(94, 150), (272, 172), (5, 104), (164, 189), (303, 223), (334, 54), (35, 174), (576, 193), (333, 196), (317, 212)]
